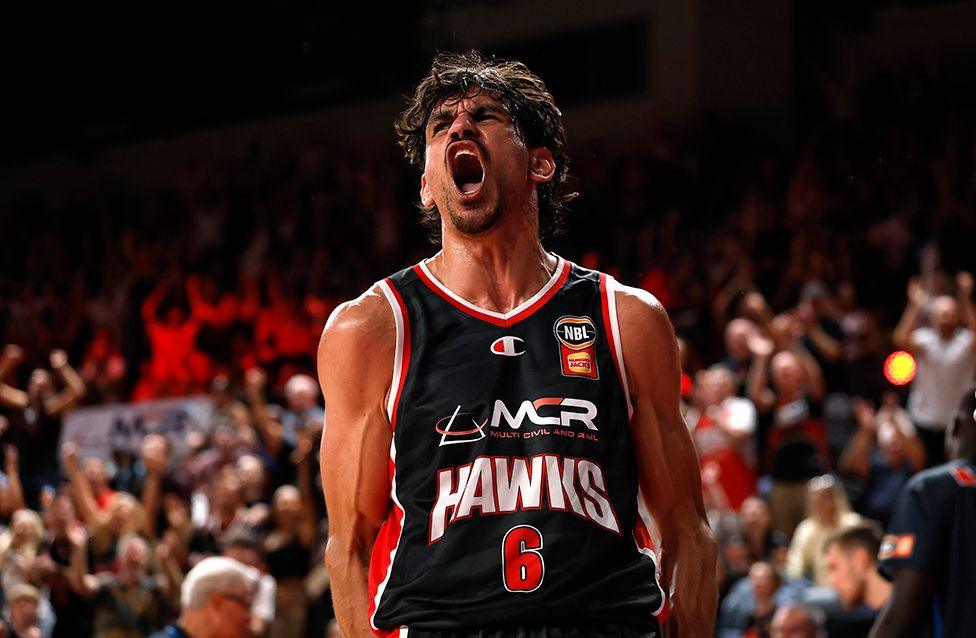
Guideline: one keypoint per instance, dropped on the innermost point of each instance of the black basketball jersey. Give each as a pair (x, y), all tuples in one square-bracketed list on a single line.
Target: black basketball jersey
[(512, 470), (932, 530)]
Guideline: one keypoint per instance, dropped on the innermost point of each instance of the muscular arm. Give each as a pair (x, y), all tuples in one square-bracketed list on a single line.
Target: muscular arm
[(667, 462), (355, 364), (907, 608)]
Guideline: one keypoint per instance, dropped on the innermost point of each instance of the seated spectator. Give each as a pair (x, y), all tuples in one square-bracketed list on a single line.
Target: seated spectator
[(852, 562), (797, 621), (883, 454), (22, 613), (764, 542), (248, 549), (723, 427), (828, 513), (752, 601), (19, 547), (216, 598)]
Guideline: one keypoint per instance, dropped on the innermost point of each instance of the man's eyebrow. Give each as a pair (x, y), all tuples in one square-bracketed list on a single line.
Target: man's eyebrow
[(440, 115)]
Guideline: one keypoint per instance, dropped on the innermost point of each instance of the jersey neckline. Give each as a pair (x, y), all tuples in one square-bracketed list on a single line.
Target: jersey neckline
[(507, 319)]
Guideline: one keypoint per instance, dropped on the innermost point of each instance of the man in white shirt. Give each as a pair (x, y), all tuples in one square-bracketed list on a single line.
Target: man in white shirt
[(945, 354)]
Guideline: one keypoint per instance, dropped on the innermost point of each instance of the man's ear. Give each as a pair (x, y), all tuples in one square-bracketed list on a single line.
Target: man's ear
[(425, 196), (542, 167)]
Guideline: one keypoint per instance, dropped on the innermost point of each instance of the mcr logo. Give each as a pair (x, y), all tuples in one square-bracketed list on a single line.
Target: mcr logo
[(565, 412)]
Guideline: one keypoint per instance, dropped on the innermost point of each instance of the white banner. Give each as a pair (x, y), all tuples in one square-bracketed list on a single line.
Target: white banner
[(120, 427)]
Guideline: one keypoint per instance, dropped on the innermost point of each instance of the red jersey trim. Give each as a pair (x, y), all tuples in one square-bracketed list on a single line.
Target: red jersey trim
[(388, 539), (506, 320)]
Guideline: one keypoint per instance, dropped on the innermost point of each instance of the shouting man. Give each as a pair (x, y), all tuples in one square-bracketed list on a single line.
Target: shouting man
[(504, 441)]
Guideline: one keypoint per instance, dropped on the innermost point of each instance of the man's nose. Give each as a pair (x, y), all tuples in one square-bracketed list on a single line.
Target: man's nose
[(463, 127)]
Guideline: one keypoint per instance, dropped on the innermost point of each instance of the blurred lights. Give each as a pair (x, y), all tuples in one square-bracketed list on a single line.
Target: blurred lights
[(899, 367)]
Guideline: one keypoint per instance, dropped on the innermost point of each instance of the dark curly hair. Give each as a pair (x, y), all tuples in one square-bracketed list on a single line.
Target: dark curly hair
[(532, 108)]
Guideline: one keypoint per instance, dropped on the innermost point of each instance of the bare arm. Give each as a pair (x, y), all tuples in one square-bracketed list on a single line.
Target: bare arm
[(307, 526), (762, 397), (74, 388), (83, 583), (816, 388), (964, 285), (828, 347), (14, 494), (272, 434), (908, 606), (10, 396), (355, 365), (81, 490), (856, 458), (917, 297), (667, 462)]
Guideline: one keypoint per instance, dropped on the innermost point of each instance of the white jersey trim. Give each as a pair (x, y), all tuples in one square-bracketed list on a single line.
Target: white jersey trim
[(612, 287), (560, 265), (398, 355)]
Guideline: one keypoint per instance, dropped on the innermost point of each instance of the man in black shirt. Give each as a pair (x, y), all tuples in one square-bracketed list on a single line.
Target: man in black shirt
[(929, 551)]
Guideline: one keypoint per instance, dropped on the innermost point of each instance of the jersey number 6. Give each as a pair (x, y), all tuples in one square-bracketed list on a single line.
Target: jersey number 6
[(522, 564)]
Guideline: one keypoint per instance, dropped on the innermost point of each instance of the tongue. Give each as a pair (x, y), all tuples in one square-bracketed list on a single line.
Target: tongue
[(470, 187)]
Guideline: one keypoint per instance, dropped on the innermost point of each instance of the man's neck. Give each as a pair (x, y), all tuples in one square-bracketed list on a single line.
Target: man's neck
[(877, 592), (497, 271)]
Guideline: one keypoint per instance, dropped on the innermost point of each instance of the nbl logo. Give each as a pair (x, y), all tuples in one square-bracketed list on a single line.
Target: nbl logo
[(577, 354)]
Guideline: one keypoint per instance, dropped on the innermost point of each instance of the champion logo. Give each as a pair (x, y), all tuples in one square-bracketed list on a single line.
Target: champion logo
[(507, 346)]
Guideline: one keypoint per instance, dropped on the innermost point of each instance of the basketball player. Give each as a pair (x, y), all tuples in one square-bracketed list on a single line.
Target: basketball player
[(929, 551), (503, 428)]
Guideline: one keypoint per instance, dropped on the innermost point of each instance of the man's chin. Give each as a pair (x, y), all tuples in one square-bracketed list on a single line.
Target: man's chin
[(474, 221)]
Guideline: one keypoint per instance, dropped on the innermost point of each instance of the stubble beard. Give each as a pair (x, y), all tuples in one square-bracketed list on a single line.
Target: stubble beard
[(475, 222)]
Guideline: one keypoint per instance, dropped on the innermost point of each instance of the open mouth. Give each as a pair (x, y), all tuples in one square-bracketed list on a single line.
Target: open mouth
[(467, 169)]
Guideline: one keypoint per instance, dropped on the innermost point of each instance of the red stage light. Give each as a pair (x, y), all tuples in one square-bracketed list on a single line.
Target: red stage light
[(899, 367)]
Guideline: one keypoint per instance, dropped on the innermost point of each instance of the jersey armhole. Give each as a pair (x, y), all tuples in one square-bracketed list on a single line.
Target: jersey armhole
[(608, 288), (401, 356)]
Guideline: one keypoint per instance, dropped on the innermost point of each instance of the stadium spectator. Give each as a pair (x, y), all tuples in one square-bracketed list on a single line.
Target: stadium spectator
[(883, 454), (753, 601), (19, 547), (22, 615), (36, 416), (132, 603), (723, 427), (216, 600), (796, 445), (852, 562), (828, 512), (945, 355), (797, 621)]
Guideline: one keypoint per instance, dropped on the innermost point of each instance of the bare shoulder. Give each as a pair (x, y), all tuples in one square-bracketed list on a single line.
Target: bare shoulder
[(641, 315), (647, 338), (359, 337)]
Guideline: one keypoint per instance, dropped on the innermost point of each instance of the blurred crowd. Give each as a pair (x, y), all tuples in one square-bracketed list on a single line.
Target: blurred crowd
[(788, 279)]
